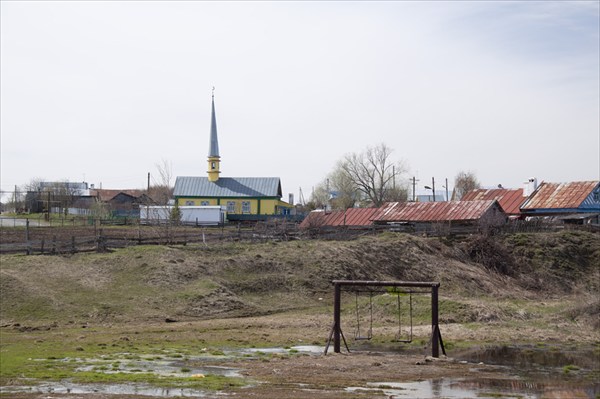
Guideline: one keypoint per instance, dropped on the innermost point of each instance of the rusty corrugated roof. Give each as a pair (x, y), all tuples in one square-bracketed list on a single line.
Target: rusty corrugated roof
[(509, 199), (559, 195), (433, 211), (349, 217)]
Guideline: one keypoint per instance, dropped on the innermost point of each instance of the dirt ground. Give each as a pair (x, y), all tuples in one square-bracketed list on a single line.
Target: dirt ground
[(330, 376), (524, 289)]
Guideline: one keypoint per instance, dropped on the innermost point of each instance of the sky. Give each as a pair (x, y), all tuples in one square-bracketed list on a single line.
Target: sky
[(105, 91)]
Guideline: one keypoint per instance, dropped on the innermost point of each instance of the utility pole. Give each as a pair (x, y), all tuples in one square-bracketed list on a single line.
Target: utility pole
[(148, 182), (447, 199), (414, 184), (433, 187)]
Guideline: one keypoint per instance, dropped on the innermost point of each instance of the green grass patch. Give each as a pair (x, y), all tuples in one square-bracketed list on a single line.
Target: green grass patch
[(570, 367)]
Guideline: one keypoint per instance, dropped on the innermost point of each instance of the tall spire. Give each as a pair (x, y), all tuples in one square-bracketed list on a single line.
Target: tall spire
[(214, 160), (213, 150)]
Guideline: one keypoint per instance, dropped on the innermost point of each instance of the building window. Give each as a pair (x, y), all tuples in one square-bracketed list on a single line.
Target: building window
[(596, 196), (189, 203), (213, 165), (231, 206), (204, 203), (246, 207)]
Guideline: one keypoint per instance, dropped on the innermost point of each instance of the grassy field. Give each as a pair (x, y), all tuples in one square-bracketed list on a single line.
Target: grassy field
[(103, 317)]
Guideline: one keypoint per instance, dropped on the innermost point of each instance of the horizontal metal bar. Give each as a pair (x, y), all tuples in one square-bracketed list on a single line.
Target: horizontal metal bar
[(386, 283)]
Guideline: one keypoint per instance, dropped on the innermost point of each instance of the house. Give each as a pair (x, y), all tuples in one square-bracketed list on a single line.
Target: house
[(451, 213), (578, 202), (245, 198), (121, 202), (54, 196), (509, 199), (351, 217)]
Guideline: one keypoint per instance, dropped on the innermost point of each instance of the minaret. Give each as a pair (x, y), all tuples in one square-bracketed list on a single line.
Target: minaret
[(214, 159)]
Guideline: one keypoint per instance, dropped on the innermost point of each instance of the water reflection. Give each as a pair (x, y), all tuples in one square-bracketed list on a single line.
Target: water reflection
[(108, 389), (480, 388), (531, 356)]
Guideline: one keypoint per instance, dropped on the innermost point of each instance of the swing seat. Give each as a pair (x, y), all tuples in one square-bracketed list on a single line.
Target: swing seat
[(402, 341), (358, 337)]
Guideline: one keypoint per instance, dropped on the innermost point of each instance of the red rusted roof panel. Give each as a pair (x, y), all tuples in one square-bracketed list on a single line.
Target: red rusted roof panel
[(559, 195), (349, 217), (432, 211), (509, 199)]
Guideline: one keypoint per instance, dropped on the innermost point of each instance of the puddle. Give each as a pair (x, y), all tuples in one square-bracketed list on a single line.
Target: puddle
[(164, 364), (538, 363), (531, 356), (472, 389), (109, 389), (308, 349), (159, 366), (539, 372)]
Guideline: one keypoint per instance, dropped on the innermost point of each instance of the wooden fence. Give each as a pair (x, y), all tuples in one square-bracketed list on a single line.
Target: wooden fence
[(69, 240), (52, 240)]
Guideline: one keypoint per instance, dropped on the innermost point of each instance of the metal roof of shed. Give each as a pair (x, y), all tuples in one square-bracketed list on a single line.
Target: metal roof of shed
[(198, 186), (509, 199), (560, 195), (433, 211), (349, 217)]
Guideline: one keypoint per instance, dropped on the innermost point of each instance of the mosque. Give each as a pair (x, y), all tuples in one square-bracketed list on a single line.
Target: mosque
[(245, 198)]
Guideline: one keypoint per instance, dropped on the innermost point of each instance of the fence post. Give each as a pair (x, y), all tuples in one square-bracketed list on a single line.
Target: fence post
[(42, 246), (73, 249), (27, 237), (100, 246)]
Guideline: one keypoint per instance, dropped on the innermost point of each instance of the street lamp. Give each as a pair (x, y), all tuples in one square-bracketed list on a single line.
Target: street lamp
[(432, 188), (428, 188)]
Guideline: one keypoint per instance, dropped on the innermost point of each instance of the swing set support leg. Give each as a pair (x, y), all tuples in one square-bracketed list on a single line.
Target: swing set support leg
[(337, 330), (436, 335)]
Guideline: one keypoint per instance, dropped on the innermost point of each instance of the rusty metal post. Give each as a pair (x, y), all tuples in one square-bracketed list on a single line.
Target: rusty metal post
[(336, 317), (435, 332)]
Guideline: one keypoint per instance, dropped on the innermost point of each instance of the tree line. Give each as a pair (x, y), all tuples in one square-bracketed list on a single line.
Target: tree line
[(372, 177)]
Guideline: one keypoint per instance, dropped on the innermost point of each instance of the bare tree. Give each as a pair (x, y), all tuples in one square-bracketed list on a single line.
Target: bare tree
[(33, 185), (319, 197), (465, 182), (343, 189), (374, 174), (161, 190), (337, 191)]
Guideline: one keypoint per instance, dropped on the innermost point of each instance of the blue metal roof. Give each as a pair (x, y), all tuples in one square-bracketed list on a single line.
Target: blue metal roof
[(196, 186)]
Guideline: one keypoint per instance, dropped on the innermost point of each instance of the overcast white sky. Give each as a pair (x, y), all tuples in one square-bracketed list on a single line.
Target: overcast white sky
[(103, 91)]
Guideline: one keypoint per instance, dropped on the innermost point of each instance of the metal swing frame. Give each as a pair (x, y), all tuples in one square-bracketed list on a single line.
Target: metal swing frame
[(336, 334)]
